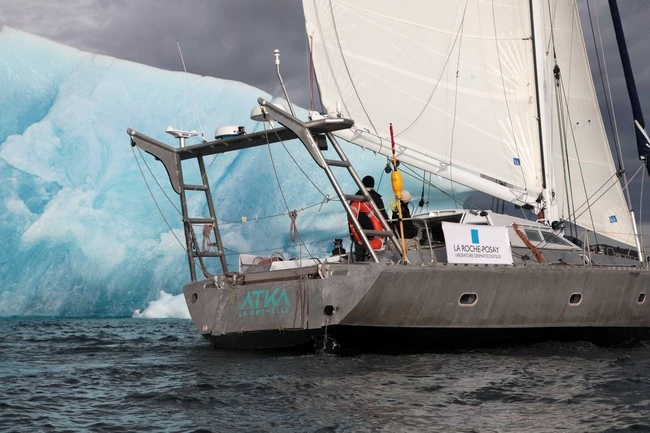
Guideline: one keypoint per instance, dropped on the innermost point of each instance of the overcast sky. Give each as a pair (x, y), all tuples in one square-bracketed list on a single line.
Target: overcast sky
[(235, 39), (232, 39)]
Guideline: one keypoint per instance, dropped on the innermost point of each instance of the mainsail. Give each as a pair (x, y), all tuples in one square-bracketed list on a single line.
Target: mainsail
[(471, 91)]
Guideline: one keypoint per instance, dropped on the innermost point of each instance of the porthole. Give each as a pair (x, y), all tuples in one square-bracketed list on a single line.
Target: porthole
[(468, 299), (194, 298), (575, 299), (641, 298), (340, 272)]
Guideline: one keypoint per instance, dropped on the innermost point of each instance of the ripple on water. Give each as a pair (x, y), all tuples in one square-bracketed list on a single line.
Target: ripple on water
[(116, 375)]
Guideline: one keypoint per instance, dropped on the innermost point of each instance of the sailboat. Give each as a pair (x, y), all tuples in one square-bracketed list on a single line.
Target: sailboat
[(493, 96)]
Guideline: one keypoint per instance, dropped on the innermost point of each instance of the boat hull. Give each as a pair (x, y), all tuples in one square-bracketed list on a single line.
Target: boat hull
[(441, 306)]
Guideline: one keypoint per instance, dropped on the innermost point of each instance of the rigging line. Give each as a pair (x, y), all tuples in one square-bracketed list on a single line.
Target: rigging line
[(453, 124), (313, 79), (617, 140), (277, 178), (641, 206), (602, 83), (613, 176), (428, 189), (158, 183), (298, 165), (551, 19), (596, 199), (326, 52), (564, 129), (349, 74), (154, 199), (310, 68), (575, 145), (566, 172), (196, 110), (421, 202), (505, 96), (414, 175), (442, 72), (259, 218), (636, 173), (214, 158), (321, 241)]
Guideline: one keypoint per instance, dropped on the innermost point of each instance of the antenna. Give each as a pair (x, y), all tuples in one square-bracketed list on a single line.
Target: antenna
[(180, 134), (276, 54), (196, 110)]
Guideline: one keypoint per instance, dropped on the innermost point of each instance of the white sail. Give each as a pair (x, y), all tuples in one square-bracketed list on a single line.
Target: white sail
[(458, 82), (587, 188)]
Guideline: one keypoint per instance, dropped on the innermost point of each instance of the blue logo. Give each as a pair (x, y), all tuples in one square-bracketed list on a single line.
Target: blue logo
[(613, 219), (474, 233), (516, 161)]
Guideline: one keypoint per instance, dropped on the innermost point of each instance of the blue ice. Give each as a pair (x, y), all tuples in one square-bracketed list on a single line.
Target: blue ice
[(81, 233)]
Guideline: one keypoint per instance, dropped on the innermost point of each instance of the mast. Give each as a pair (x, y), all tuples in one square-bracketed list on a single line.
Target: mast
[(536, 26), (641, 141), (642, 144)]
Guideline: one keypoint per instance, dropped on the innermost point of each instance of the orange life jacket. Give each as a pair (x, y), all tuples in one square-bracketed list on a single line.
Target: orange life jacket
[(364, 207)]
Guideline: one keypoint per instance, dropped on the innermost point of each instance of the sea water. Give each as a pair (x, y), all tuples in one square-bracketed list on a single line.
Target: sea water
[(135, 375)]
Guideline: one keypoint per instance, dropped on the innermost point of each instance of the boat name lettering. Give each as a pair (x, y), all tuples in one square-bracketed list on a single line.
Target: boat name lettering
[(482, 249), (264, 302)]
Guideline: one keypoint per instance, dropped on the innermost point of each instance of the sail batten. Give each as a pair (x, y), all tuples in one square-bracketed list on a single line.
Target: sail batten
[(459, 83)]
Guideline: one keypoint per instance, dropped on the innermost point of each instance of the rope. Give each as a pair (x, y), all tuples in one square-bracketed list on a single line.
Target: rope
[(538, 254), (607, 91), (293, 230), (564, 148), (298, 165), (442, 71), (453, 124), (154, 198), (641, 240), (349, 74), (326, 199), (231, 253), (282, 214), (156, 180), (196, 110), (277, 178), (320, 241), (207, 228), (418, 177)]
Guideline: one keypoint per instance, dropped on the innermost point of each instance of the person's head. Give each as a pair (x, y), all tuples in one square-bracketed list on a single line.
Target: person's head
[(406, 196), (368, 182)]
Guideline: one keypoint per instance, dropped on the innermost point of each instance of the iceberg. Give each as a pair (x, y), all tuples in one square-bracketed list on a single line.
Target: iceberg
[(82, 235)]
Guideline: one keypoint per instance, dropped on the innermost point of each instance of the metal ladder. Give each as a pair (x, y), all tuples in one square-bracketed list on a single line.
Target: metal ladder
[(192, 245), (306, 132)]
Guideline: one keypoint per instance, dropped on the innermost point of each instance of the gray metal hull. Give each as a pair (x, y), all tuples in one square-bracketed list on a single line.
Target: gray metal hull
[(421, 307)]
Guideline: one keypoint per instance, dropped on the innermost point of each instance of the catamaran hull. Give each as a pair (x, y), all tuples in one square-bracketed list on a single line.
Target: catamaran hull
[(404, 307)]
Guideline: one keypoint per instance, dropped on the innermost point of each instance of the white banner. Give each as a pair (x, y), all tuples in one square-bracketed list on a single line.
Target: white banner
[(477, 244)]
